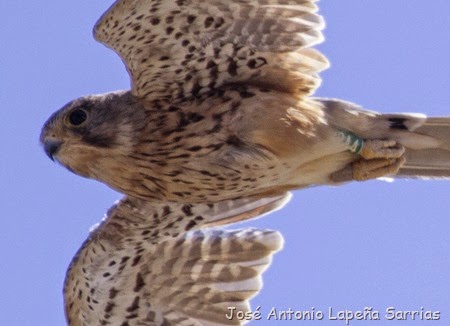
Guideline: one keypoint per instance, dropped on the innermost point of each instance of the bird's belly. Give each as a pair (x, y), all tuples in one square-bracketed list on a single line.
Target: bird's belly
[(210, 181), (201, 180), (256, 146)]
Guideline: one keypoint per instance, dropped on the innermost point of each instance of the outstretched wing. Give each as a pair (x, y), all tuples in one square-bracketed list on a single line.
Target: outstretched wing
[(159, 264), (176, 49)]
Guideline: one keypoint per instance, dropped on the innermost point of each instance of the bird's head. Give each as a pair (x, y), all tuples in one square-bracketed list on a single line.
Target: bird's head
[(88, 132)]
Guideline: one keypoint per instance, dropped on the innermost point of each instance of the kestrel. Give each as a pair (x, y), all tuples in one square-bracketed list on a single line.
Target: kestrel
[(220, 110)]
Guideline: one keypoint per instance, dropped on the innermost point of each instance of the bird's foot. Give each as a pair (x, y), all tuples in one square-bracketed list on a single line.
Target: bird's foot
[(385, 149), (379, 158), (363, 169)]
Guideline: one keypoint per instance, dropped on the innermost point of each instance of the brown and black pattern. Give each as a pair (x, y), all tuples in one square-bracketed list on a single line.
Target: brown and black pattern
[(218, 108), (178, 49), (218, 116), (156, 264)]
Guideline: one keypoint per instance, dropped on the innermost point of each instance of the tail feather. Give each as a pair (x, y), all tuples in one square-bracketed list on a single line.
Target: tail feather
[(426, 140), (439, 128), (427, 163), (427, 146)]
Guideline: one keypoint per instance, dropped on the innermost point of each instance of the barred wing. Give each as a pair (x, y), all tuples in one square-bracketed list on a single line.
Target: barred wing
[(177, 49), (157, 264)]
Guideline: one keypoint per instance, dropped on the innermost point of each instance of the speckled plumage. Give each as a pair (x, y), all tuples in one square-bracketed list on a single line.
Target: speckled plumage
[(177, 49), (219, 110), (156, 264)]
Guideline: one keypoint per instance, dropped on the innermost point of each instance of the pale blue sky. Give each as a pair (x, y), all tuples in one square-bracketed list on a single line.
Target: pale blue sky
[(371, 244)]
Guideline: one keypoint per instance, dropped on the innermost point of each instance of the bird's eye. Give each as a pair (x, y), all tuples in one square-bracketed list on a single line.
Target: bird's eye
[(77, 117)]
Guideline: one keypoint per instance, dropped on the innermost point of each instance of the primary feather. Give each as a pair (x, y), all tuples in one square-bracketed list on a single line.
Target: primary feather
[(216, 128), (178, 49), (159, 264)]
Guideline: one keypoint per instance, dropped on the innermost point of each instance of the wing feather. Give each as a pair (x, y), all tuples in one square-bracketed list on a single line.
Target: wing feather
[(160, 264), (175, 50)]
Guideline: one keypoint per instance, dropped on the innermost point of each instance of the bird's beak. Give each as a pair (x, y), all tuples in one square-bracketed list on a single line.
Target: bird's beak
[(51, 148)]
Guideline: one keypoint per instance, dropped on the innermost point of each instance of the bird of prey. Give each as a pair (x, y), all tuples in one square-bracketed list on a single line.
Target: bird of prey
[(219, 111), (219, 108)]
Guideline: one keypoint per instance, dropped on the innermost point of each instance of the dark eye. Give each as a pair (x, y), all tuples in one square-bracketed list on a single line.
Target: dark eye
[(77, 117)]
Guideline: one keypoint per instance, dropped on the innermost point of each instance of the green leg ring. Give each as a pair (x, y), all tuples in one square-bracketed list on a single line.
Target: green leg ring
[(354, 142)]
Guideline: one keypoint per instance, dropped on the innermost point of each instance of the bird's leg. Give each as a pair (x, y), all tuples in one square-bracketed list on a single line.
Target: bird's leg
[(378, 158)]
